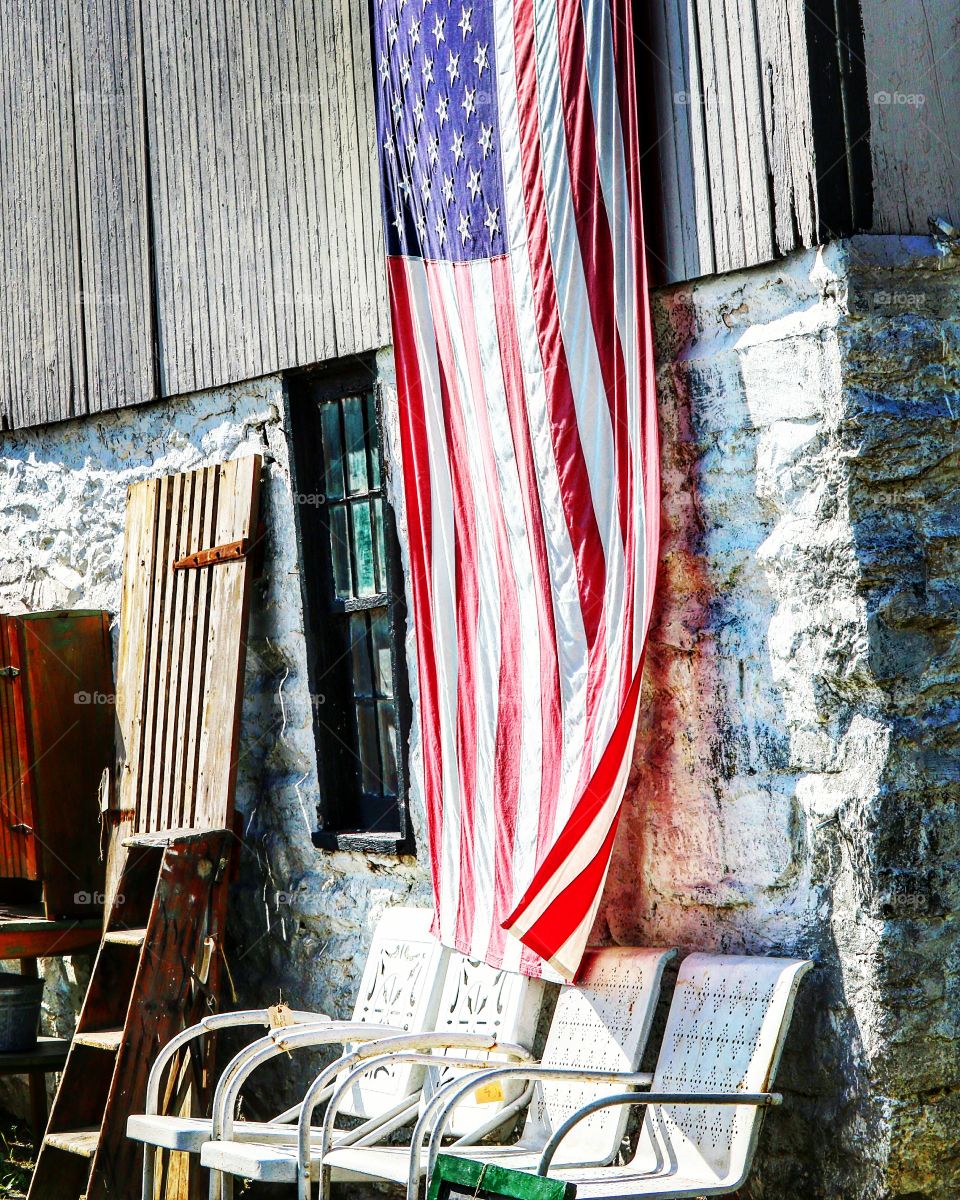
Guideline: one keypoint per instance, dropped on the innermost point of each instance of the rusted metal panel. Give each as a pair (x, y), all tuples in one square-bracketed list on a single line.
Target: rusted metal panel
[(56, 740), (18, 857)]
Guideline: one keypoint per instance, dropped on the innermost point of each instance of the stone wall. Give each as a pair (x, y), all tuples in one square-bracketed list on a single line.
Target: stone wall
[(300, 918), (796, 778), (796, 775)]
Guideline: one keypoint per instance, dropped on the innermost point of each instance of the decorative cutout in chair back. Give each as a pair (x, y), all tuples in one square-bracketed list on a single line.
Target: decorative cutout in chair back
[(601, 1023), (400, 986), (725, 1031), (478, 998)]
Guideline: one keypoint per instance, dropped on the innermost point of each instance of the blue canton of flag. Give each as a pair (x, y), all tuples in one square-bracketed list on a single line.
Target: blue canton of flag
[(438, 129)]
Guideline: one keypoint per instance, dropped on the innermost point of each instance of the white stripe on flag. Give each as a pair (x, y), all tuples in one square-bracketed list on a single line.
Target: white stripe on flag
[(586, 377), (602, 74), (511, 500), (487, 664), (443, 592), (568, 618)]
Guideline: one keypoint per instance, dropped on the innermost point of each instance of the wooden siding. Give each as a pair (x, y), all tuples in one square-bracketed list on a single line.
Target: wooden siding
[(731, 180), (190, 189), (112, 203), (913, 88), (268, 234), (189, 198), (41, 357)]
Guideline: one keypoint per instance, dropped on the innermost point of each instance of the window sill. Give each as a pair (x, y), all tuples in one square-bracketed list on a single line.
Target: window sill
[(365, 843)]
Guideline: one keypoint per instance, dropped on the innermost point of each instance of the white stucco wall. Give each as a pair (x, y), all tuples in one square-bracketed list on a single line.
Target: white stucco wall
[(300, 918), (794, 788)]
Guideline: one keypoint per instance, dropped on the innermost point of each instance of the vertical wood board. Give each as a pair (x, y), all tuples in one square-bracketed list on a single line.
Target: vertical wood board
[(182, 648)]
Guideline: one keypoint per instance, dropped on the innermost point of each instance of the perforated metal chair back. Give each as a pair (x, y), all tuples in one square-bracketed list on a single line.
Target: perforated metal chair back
[(478, 998), (601, 1022), (725, 1031), (401, 986)]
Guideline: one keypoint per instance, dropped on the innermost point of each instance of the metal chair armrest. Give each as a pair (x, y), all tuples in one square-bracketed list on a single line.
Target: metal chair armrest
[(425, 1058), (369, 1058), (533, 1072), (209, 1024), (456, 1091), (281, 1041), (753, 1099)]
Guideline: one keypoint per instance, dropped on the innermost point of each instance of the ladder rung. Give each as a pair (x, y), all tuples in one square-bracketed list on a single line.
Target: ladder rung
[(100, 1039), (75, 1141), (125, 937)]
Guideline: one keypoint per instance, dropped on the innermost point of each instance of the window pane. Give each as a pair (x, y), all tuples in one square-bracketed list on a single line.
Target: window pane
[(374, 436), (366, 584), (332, 450), (388, 746), (381, 562), (369, 749), (382, 652), (360, 654), (356, 433), (340, 551)]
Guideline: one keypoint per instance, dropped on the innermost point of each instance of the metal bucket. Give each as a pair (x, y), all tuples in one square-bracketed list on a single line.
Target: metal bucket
[(20, 999)]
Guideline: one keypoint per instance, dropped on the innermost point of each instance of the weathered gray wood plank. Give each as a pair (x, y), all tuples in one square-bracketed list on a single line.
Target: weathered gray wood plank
[(112, 202), (43, 372), (913, 86)]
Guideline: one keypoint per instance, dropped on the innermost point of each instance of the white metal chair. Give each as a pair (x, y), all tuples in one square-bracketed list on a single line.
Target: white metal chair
[(725, 1032), (399, 991), (596, 1038), (484, 1014)]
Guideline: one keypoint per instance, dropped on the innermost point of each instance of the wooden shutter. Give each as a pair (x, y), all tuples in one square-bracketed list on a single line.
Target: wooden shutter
[(183, 648)]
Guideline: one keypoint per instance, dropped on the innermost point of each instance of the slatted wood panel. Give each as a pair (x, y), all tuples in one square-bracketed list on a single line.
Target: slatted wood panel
[(731, 164), (183, 648), (268, 236), (42, 374)]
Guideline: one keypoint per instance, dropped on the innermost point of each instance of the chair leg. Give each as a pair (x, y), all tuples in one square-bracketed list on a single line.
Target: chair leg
[(149, 1171)]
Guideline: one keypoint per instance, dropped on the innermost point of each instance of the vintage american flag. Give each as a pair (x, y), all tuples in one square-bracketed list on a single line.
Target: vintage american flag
[(509, 163)]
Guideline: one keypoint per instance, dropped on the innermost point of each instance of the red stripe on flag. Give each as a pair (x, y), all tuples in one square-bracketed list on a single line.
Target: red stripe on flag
[(506, 780), (550, 705), (621, 13), (416, 490), (574, 480), (467, 600), (571, 465), (596, 244), (565, 917), (597, 253)]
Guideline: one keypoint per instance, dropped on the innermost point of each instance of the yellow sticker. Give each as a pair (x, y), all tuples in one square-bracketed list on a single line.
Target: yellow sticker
[(489, 1093)]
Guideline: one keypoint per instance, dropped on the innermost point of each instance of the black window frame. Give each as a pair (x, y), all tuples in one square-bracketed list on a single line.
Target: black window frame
[(328, 657)]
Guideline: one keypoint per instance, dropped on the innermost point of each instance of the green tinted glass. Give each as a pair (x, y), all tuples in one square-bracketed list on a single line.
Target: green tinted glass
[(332, 450), (340, 551), (363, 553), (356, 435), (360, 654)]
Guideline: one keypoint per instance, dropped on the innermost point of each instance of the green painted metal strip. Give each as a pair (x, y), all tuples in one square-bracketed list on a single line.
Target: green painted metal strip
[(456, 1177)]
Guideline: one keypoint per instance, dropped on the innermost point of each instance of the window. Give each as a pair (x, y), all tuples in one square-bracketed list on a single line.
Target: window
[(353, 589)]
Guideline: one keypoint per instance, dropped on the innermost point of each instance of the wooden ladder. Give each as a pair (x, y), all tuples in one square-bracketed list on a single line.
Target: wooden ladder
[(153, 975)]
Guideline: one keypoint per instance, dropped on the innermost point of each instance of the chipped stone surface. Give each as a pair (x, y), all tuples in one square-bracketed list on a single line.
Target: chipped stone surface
[(299, 919), (796, 780)]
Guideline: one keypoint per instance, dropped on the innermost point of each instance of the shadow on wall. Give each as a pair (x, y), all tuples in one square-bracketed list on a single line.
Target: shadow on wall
[(755, 737)]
